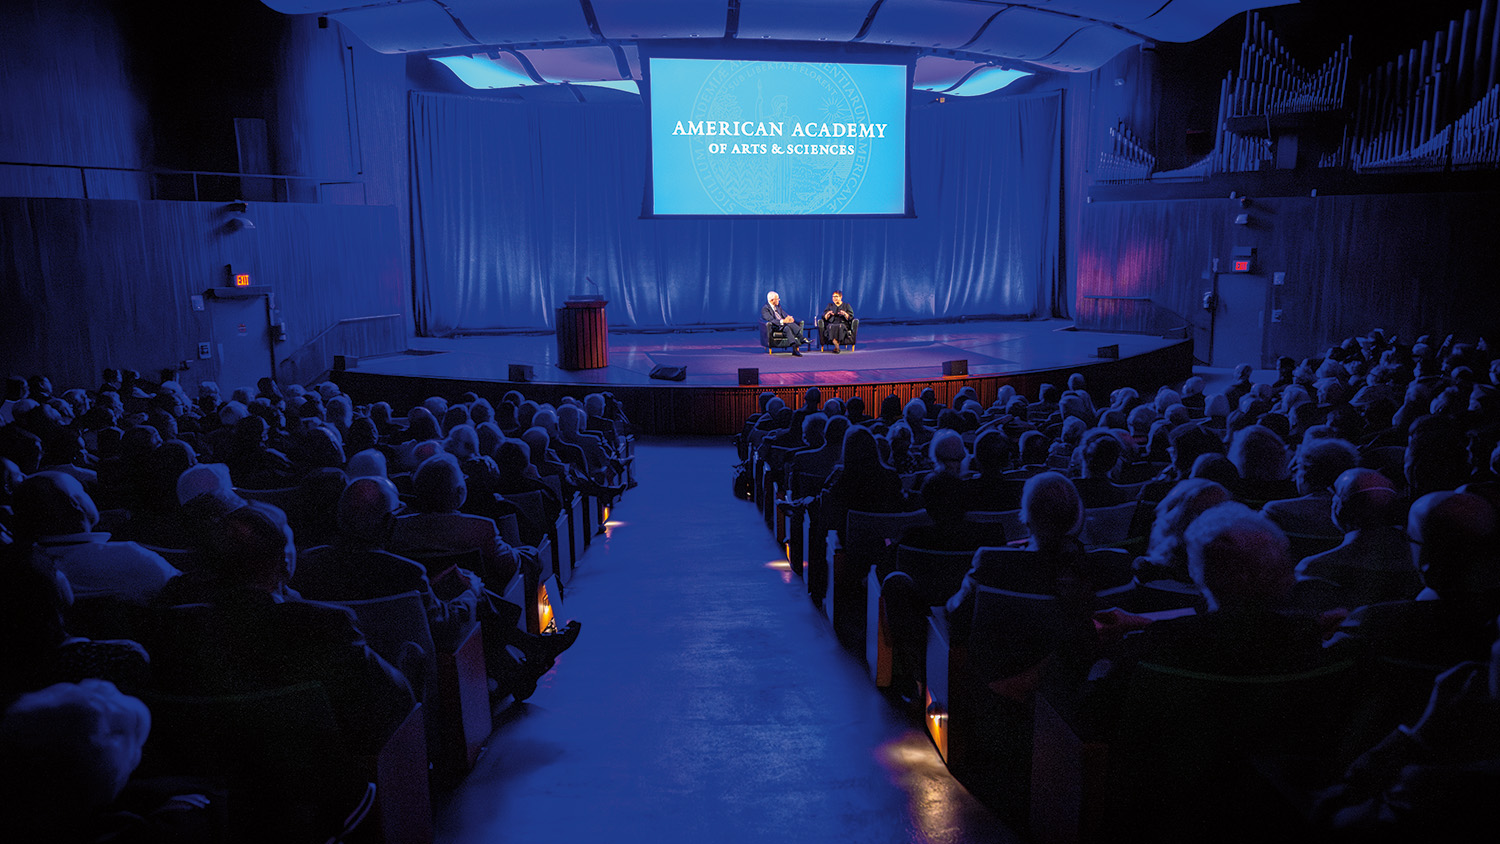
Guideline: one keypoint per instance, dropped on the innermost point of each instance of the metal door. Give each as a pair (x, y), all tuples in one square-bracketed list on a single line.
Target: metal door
[(242, 342), (1239, 328)]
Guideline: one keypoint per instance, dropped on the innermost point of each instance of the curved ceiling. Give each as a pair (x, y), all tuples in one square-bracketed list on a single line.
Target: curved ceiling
[(590, 41)]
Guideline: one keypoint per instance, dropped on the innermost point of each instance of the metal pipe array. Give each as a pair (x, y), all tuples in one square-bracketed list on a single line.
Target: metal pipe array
[(1127, 159), (1433, 107), (1270, 82)]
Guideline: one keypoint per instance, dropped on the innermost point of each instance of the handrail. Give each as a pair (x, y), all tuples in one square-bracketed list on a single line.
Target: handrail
[(156, 172)]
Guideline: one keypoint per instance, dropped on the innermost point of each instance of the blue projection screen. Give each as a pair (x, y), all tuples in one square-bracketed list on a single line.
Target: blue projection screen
[(777, 138)]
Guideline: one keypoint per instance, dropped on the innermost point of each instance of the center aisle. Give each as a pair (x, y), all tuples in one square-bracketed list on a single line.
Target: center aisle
[(706, 700)]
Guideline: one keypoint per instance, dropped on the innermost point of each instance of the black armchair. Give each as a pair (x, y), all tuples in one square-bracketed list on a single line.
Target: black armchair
[(823, 339), (774, 337)]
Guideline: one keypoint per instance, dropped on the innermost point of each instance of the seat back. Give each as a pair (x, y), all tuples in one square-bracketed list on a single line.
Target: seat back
[(1185, 744), (530, 505), (1010, 519), (938, 573), (279, 752), (867, 527), (1012, 631), (1107, 526), (389, 624)]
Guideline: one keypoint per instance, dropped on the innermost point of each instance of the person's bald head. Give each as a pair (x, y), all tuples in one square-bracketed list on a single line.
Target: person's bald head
[(367, 510), (1363, 498), (1453, 534)]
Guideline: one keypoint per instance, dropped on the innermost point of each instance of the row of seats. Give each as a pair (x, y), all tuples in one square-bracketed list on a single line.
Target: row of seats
[(294, 760)]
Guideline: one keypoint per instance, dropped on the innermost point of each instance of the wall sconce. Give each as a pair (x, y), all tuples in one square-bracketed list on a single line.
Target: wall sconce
[(239, 217)]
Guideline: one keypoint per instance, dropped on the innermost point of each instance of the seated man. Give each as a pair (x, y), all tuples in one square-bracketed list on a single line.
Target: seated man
[(1453, 544), (356, 568), (247, 632), (1238, 560), (1318, 465), (773, 314), (437, 526), (1374, 562)]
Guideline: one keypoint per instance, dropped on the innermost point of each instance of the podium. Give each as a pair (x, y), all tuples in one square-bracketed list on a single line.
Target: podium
[(582, 334)]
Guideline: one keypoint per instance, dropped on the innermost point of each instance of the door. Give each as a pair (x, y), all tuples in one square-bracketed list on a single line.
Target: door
[(1239, 327), (242, 342)]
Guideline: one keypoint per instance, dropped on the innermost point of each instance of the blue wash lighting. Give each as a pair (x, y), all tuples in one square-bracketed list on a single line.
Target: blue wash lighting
[(988, 81), (483, 73)]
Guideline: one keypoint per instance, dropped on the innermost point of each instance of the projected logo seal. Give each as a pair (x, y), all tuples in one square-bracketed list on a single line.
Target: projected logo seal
[(762, 175)]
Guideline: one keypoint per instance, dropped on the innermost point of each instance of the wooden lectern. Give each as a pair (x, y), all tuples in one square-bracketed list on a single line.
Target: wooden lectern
[(582, 334)]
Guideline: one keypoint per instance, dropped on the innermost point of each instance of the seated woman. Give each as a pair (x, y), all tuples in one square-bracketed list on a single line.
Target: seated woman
[(838, 321)]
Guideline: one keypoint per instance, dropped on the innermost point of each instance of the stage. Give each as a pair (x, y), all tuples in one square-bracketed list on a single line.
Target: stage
[(889, 358)]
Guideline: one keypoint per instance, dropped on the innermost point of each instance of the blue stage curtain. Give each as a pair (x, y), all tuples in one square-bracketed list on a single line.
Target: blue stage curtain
[(514, 203)]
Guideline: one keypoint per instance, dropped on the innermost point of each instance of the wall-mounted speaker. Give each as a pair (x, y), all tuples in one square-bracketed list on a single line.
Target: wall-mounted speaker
[(522, 373), (749, 377), (955, 367)]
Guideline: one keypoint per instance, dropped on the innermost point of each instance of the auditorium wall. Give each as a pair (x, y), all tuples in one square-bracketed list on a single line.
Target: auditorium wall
[(1411, 253), (109, 101), (1411, 263)]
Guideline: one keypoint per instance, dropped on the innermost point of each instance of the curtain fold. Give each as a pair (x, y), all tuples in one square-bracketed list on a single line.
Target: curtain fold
[(517, 205)]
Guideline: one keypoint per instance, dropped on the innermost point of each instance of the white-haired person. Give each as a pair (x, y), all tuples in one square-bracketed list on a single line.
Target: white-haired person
[(773, 314)]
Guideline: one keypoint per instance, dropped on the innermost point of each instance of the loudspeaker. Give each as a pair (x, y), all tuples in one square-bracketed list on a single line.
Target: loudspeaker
[(749, 377), (955, 367), (522, 373), (343, 362), (669, 373), (1110, 352)]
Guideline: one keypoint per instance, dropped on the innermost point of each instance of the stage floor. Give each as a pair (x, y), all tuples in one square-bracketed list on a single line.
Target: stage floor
[(886, 354), (899, 359)]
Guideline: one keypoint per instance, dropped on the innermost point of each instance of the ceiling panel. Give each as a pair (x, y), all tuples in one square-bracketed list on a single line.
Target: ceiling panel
[(1089, 48), (407, 28), (574, 64), (1029, 35), (1072, 35), (636, 19), (522, 21), (803, 20), (1189, 20), (928, 23), (1113, 11), (937, 73)]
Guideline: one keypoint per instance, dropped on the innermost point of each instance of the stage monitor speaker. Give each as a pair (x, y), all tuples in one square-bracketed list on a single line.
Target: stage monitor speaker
[(955, 367), (749, 377), (344, 362), (669, 373), (522, 373), (1110, 352)]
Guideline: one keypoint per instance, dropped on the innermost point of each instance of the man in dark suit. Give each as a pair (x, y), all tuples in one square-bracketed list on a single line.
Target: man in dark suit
[(773, 314), (247, 632), (357, 568)]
